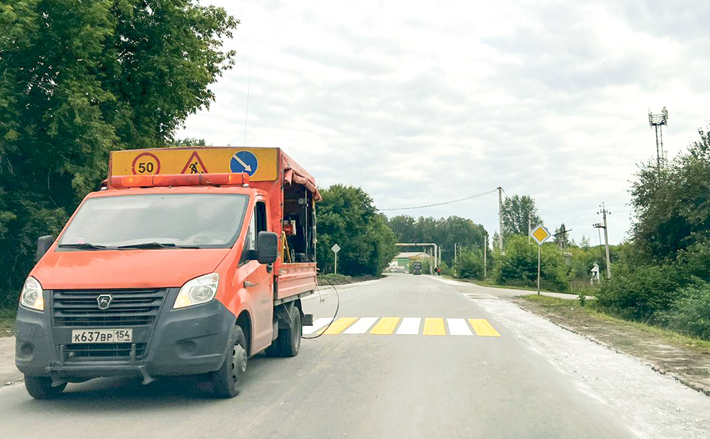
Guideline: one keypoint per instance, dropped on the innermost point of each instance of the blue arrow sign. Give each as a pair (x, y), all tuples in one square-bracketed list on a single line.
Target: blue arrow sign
[(244, 162)]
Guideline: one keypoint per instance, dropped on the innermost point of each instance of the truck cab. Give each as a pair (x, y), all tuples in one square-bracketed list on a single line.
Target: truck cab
[(173, 270)]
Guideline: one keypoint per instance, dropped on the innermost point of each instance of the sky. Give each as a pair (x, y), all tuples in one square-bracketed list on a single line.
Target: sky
[(424, 102)]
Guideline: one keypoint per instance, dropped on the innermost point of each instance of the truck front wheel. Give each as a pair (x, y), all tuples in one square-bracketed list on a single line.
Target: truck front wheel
[(224, 381), (41, 387), (290, 338)]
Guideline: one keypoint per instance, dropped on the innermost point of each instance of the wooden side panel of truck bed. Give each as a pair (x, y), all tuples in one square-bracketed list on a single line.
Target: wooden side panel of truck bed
[(295, 279)]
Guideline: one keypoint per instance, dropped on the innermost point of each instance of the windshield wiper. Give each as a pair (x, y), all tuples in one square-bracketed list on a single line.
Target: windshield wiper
[(84, 246), (150, 245)]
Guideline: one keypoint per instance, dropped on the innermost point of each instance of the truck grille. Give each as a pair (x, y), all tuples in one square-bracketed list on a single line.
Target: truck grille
[(126, 308), (103, 350)]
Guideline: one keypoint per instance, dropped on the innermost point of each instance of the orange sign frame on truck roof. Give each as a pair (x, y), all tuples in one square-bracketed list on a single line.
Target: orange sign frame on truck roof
[(261, 164)]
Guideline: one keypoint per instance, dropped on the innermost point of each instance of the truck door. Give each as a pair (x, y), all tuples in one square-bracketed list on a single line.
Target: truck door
[(259, 282)]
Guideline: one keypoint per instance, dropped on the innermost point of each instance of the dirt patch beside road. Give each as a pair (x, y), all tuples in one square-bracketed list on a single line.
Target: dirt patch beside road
[(687, 359)]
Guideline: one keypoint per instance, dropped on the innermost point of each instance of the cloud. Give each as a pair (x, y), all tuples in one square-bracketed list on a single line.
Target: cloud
[(419, 103)]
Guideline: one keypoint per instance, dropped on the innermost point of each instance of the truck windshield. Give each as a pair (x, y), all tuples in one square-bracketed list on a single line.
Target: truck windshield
[(156, 221)]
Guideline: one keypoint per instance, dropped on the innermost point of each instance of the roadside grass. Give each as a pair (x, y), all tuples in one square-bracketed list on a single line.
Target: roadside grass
[(588, 316), (490, 283), (7, 322)]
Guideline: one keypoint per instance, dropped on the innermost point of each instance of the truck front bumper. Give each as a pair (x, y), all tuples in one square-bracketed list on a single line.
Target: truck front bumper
[(178, 342)]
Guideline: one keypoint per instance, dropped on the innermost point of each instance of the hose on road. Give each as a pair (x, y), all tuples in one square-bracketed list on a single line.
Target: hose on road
[(337, 308)]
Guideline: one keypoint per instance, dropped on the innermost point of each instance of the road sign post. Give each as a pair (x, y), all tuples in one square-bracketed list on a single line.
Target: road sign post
[(540, 234), (336, 249)]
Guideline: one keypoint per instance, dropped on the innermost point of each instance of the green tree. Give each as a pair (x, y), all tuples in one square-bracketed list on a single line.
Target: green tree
[(519, 265), (469, 264), (347, 217), (444, 232), (79, 79), (668, 255), (188, 141), (519, 215)]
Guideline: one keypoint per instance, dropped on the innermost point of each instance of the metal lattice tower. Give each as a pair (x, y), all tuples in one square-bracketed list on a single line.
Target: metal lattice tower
[(657, 121)]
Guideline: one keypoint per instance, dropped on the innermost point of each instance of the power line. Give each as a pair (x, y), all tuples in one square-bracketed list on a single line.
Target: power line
[(441, 204)]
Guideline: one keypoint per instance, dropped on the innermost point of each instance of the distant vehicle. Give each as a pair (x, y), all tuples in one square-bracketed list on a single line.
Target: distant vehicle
[(167, 273), (416, 268)]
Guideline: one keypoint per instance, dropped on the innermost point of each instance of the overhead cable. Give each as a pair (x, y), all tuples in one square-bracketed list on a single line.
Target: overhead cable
[(441, 204)]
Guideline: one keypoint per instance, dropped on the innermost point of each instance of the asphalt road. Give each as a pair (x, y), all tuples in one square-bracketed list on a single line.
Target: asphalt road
[(417, 357)]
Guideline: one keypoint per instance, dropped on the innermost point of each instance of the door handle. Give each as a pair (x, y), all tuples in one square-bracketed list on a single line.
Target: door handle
[(248, 284)]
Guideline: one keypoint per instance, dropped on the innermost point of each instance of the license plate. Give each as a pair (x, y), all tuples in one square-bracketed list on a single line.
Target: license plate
[(102, 336)]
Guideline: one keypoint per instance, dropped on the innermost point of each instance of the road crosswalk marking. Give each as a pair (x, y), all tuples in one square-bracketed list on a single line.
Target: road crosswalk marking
[(402, 326), (409, 326), (318, 324), (385, 326), (483, 328), (340, 325), (458, 327), (362, 326), (434, 326)]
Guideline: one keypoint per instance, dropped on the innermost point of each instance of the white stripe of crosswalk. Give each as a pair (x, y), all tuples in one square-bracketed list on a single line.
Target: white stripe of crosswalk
[(361, 326), (409, 326), (458, 327), (318, 324)]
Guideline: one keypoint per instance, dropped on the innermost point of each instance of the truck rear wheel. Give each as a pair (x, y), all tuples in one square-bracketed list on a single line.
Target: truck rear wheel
[(41, 387), (290, 338), (225, 380), (274, 350)]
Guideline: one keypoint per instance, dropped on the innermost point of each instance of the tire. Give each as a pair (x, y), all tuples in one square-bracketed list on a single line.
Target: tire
[(41, 387), (274, 350), (225, 380), (290, 338)]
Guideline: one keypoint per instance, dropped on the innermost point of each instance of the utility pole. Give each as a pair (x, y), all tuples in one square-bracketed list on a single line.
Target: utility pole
[(485, 251), (500, 219), (604, 212), (455, 256)]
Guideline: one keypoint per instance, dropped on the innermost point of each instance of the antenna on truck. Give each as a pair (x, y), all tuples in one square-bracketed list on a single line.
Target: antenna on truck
[(246, 116)]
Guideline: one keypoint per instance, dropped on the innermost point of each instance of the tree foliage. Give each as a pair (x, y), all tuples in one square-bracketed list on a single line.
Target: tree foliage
[(444, 232), (519, 265), (346, 216), (79, 79), (519, 215), (662, 276)]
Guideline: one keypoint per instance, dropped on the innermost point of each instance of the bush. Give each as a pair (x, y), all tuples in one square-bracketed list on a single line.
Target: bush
[(690, 314), (640, 293), (470, 265), (446, 270), (518, 267)]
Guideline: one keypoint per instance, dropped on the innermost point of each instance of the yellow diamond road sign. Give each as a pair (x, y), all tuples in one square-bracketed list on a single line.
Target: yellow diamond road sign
[(540, 234)]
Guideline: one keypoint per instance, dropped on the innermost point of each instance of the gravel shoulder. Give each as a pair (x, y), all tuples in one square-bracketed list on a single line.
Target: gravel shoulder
[(684, 358)]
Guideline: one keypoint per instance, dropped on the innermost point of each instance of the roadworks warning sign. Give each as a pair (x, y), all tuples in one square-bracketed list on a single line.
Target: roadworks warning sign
[(260, 163)]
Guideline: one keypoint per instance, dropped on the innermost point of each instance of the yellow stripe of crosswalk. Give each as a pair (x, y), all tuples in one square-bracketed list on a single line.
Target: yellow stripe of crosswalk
[(483, 328), (385, 326), (434, 326), (340, 325)]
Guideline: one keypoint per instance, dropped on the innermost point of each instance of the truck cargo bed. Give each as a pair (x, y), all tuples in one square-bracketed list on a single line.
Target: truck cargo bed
[(295, 279)]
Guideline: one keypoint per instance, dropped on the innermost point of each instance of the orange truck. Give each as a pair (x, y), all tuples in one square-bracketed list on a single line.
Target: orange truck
[(188, 261)]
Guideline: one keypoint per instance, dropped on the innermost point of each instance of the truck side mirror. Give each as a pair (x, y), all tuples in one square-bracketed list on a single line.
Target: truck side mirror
[(43, 244), (267, 247)]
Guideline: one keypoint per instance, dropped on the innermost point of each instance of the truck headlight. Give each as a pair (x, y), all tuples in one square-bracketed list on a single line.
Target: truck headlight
[(31, 296), (199, 290)]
